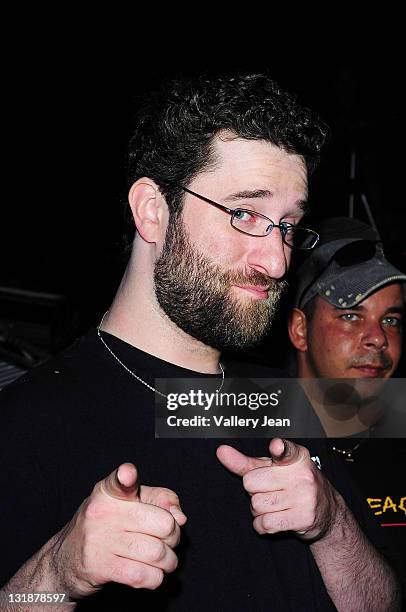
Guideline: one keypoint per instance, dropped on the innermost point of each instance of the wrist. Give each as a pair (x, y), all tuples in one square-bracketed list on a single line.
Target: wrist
[(341, 526), (38, 582)]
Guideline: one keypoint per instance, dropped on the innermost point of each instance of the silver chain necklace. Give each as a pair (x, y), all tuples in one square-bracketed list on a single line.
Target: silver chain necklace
[(134, 374), (348, 454)]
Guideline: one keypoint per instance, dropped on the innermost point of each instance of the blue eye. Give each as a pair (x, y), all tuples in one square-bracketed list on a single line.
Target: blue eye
[(392, 322), (349, 316), (243, 215)]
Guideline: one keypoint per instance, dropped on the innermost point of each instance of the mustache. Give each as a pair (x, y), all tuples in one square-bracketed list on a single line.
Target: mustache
[(254, 278), (376, 361)]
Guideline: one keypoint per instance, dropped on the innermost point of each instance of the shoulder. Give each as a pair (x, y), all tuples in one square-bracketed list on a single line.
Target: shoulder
[(54, 384)]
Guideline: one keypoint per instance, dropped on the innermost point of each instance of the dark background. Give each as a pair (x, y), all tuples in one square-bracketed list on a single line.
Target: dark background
[(69, 92), (69, 87)]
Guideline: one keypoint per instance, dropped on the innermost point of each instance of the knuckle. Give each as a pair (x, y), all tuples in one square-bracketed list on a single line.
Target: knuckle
[(136, 576), (267, 523), (94, 510), (167, 525), (247, 482), (308, 519), (255, 503), (173, 563), (174, 538), (156, 552), (139, 576), (156, 579), (259, 525)]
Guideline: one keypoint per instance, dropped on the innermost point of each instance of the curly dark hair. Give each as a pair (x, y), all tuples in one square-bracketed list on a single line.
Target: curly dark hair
[(175, 127)]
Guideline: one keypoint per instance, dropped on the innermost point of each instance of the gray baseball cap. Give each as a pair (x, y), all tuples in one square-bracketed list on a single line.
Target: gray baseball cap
[(347, 267)]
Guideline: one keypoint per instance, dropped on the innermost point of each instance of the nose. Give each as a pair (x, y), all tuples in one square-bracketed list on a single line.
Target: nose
[(270, 255), (374, 337)]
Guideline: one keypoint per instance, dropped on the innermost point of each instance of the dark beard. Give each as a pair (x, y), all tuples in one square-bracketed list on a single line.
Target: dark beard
[(195, 294)]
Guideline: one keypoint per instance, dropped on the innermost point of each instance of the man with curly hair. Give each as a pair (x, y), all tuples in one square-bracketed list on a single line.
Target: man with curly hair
[(218, 184)]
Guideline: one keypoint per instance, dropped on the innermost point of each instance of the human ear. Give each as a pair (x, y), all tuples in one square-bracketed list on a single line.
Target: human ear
[(148, 207), (297, 328)]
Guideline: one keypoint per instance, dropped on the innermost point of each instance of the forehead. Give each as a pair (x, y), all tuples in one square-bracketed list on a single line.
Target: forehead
[(390, 296), (239, 162)]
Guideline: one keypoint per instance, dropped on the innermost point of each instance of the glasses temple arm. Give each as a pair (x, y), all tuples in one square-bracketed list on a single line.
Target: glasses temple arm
[(197, 195)]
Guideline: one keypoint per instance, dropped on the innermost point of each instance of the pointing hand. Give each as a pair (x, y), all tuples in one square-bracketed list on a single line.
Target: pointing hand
[(124, 532), (288, 492)]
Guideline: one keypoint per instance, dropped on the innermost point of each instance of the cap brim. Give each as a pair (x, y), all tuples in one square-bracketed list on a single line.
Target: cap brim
[(314, 268), (347, 288)]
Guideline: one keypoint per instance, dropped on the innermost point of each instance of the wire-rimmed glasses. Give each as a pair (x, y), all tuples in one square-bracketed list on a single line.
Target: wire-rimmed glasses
[(256, 224)]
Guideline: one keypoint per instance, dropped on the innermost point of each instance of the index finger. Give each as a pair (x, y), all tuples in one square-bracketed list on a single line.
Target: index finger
[(237, 462)]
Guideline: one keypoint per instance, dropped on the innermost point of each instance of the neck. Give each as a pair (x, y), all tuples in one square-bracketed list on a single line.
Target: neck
[(338, 418), (136, 317), (344, 406)]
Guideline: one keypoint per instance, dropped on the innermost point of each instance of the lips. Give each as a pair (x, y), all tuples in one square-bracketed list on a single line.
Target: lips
[(258, 291), (370, 371)]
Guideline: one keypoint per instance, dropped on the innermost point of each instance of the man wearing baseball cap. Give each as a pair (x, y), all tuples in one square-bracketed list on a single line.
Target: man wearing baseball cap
[(347, 316), (346, 323)]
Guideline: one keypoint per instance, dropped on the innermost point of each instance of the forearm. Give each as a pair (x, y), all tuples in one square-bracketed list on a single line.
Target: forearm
[(356, 576), (38, 575)]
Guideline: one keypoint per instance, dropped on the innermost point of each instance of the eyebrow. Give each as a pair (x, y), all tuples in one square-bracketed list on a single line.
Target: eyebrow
[(394, 309), (261, 193), (349, 308), (249, 193)]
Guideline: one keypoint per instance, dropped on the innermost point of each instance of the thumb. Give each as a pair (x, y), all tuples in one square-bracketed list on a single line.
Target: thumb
[(237, 462), (123, 483), (286, 452)]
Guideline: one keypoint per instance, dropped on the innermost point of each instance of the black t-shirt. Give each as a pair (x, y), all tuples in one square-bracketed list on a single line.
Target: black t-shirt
[(71, 422)]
